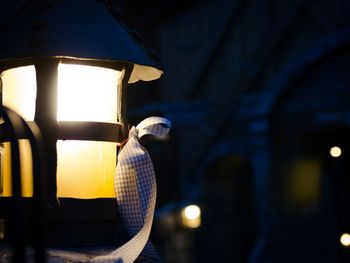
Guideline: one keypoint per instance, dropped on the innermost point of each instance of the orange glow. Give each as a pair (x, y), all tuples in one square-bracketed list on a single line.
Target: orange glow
[(26, 169), (19, 91), (86, 169), (191, 216)]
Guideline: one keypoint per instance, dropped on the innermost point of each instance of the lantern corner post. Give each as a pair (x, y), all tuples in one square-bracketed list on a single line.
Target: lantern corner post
[(127, 69), (46, 119)]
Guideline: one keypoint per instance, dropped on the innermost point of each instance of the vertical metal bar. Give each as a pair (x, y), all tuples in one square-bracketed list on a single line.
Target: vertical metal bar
[(40, 194), (16, 215), (46, 119), (17, 125), (122, 98)]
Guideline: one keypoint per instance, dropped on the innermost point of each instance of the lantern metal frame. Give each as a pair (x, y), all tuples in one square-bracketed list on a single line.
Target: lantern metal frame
[(70, 214)]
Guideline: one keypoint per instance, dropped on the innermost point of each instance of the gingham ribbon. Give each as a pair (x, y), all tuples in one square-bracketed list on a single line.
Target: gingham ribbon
[(135, 186)]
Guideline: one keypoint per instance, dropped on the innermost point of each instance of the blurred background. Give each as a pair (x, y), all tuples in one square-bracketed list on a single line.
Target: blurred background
[(259, 97)]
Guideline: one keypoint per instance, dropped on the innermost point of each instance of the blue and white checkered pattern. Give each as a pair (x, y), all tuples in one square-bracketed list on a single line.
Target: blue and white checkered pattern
[(135, 186)]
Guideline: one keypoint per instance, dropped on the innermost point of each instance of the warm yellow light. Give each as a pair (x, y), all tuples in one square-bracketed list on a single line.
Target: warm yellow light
[(345, 239), (191, 216), (19, 94), (85, 169), (303, 183), (19, 91), (87, 93), (192, 212), (335, 151), (26, 169)]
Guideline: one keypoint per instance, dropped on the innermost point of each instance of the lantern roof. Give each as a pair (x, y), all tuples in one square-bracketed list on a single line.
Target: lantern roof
[(74, 30)]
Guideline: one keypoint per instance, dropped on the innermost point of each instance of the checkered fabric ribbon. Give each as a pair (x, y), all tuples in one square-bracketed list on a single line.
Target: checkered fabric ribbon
[(135, 186)]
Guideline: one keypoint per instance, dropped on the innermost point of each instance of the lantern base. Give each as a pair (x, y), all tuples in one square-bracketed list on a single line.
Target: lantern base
[(77, 223), (86, 222)]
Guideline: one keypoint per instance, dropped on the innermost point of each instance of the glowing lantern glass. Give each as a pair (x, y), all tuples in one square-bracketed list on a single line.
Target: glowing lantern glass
[(77, 100), (85, 169), (78, 83)]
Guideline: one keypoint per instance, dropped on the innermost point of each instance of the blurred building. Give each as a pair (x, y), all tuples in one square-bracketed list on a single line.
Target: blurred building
[(258, 93)]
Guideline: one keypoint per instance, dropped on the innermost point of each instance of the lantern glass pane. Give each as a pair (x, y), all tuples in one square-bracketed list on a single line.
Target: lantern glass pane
[(19, 91), (26, 169), (19, 94), (87, 93), (86, 169)]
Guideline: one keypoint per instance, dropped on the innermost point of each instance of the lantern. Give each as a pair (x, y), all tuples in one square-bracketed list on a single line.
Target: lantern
[(65, 65)]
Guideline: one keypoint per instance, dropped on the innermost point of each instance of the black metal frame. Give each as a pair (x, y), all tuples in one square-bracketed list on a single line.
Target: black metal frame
[(15, 216), (46, 112)]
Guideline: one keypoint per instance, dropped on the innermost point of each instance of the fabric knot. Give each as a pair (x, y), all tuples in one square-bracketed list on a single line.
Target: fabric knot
[(134, 132)]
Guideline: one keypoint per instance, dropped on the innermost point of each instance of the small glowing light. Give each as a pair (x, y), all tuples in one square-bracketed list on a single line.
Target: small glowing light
[(191, 216), (335, 151), (345, 239), (192, 212)]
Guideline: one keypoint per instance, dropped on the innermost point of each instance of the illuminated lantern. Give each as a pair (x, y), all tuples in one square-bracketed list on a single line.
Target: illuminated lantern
[(65, 65)]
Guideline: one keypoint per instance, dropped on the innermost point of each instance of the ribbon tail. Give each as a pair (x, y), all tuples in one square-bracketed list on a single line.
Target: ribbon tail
[(135, 186)]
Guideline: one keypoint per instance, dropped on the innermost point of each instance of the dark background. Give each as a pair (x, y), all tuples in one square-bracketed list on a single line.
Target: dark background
[(258, 92)]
